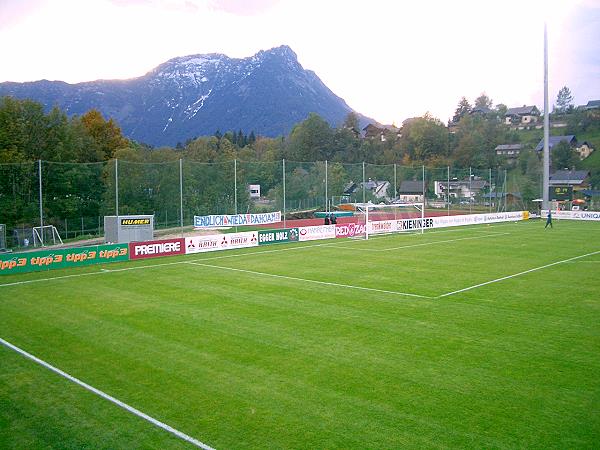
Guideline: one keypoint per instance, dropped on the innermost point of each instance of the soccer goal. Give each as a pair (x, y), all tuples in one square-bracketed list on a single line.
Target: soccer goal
[(46, 235), (390, 218)]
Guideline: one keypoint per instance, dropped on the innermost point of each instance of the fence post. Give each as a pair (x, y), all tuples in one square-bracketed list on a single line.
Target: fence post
[(181, 195), (470, 190), (41, 205), (395, 183), (283, 172), (235, 190), (326, 193), (490, 199), (117, 187), (448, 191), (364, 186)]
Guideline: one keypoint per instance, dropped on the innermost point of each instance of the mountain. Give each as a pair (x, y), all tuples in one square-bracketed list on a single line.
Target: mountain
[(196, 95)]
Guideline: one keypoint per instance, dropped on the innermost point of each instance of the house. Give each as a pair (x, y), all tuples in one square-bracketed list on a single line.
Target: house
[(509, 151), (411, 191), (577, 179), (592, 104), (254, 191), (377, 188), (583, 150), (523, 115), (372, 131), (460, 188), (481, 111)]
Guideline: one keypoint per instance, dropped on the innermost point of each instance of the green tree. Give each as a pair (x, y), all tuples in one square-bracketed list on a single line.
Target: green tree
[(563, 156), (463, 108), (310, 140), (564, 101), (483, 101)]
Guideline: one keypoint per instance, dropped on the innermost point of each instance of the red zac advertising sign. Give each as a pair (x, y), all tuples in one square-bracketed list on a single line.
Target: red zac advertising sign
[(349, 229), (154, 249)]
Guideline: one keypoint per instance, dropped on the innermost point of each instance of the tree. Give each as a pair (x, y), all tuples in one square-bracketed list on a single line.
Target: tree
[(352, 122), (463, 108), (483, 101), (311, 140), (106, 134), (563, 156), (564, 101)]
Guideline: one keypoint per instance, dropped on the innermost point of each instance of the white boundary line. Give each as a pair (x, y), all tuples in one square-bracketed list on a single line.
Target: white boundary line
[(518, 274), (305, 280), (110, 398), (422, 244)]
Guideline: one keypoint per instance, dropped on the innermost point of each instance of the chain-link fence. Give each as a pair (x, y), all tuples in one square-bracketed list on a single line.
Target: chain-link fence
[(75, 197)]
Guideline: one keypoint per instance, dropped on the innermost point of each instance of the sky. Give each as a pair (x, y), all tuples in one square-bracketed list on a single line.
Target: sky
[(388, 59)]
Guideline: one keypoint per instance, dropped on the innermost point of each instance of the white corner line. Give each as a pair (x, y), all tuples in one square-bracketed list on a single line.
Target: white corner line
[(518, 274), (110, 398), (305, 280)]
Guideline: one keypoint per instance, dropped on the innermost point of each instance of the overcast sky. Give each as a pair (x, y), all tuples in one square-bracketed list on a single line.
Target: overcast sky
[(388, 59)]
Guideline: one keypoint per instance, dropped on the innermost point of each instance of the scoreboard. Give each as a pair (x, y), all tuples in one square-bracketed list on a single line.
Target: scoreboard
[(559, 193)]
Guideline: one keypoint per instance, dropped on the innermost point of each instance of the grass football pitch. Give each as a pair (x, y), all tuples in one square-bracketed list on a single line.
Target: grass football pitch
[(466, 337)]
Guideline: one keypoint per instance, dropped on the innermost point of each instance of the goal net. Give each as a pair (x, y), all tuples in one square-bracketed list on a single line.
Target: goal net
[(393, 218), (46, 235)]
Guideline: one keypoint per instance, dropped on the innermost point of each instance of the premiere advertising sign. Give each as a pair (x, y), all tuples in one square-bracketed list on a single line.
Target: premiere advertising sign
[(62, 258), (234, 220), (199, 244), (154, 249), (278, 236), (317, 232)]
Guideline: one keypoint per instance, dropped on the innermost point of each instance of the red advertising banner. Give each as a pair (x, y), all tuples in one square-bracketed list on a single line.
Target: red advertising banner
[(349, 229), (154, 249)]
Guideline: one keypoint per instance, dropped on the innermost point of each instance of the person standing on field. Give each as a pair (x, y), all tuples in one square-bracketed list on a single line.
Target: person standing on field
[(548, 220)]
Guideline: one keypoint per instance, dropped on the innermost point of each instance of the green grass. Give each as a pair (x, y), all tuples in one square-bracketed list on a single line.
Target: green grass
[(239, 359)]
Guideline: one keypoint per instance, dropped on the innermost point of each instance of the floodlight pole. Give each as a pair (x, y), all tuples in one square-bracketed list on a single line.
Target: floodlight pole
[(546, 181), (41, 207), (181, 194)]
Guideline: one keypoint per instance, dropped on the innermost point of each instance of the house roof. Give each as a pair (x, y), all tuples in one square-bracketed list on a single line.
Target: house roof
[(592, 104), (411, 187), (481, 110), (522, 111), (509, 147), (554, 140), (568, 176)]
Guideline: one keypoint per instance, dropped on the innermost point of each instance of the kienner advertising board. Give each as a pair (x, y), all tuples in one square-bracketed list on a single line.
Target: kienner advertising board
[(154, 249), (199, 244), (317, 232), (278, 236), (573, 215), (234, 220), (61, 258), (393, 226)]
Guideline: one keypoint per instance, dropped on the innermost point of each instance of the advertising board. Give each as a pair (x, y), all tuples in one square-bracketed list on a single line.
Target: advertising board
[(154, 249), (199, 244), (574, 215), (62, 258), (316, 232), (278, 236), (349, 229), (234, 220)]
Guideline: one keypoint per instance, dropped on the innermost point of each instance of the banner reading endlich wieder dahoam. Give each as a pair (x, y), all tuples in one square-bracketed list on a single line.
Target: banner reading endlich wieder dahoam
[(234, 220)]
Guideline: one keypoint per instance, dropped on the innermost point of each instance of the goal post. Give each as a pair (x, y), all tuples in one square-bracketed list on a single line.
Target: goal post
[(46, 235), (379, 219)]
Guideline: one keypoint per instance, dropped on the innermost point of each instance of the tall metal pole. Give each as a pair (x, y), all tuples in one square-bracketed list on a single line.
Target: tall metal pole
[(448, 191), (41, 207), (470, 189), (490, 199), (117, 187), (423, 206), (283, 170), (546, 183), (181, 195), (395, 183), (326, 193), (235, 190)]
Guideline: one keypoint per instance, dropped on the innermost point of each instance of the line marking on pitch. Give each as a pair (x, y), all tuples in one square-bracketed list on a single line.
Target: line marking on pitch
[(110, 398), (518, 274), (305, 280), (423, 243)]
